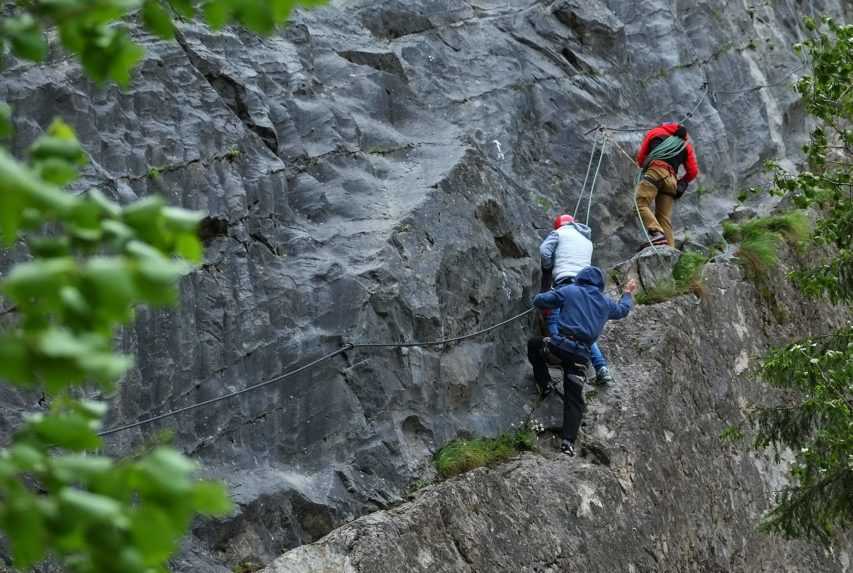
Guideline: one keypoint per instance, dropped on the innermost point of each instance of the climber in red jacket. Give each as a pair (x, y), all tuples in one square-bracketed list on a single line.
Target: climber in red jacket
[(660, 183)]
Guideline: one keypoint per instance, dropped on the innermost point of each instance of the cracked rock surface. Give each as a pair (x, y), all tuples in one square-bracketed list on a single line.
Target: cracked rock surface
[(384, 171)]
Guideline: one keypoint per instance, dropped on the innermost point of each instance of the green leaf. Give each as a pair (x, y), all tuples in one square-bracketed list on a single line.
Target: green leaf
[(25, 527), (117, 230), (91, 506), (26, 37), (20, 188), (27, 458), (154, 534), (61, 130), (5, 120), (57, 171), (184, 8), (50, 147), (74, 301), (144, 251), (61, 343), (38, 278), (145, 215), (106, 367), (189, 247), (14, 361), (211, 498), (92, 409), (109, 287), (49, 247), (73, 468), (156, 280), (70, 431), (107, 206), (127, 55), (157, 20), (217, 13), (183, 220), (167, 471)]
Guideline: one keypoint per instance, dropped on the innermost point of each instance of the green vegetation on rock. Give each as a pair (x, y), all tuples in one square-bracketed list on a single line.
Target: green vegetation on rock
[(463, 455), (760, 239), (685, 279), (814, 416)]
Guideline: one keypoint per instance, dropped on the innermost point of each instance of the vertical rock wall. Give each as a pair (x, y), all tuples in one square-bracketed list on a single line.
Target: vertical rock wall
[(384, 171)]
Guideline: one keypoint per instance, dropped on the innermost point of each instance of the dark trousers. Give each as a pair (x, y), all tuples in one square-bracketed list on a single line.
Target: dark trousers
[(574, 375)]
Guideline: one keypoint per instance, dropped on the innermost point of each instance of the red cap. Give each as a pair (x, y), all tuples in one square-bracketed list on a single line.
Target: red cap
[(563, 220)]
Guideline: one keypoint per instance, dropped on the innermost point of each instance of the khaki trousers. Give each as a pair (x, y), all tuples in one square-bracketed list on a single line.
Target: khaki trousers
[(658, 186)]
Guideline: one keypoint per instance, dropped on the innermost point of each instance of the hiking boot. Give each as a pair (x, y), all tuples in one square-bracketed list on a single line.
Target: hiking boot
[(567, 448), (603, 377), (546, 389), (657, 238)]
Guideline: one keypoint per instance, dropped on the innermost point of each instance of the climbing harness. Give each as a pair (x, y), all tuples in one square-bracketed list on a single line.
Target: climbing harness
[(602, 137), (325, 357)]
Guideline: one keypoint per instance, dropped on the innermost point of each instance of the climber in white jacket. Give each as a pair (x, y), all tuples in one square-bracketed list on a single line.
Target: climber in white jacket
[(563, 253)]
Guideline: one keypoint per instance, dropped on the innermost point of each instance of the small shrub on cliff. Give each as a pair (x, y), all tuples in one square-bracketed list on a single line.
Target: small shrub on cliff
[(760, 239), (685, 279)]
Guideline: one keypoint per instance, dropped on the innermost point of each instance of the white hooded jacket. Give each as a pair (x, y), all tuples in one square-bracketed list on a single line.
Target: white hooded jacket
[(566, 251)]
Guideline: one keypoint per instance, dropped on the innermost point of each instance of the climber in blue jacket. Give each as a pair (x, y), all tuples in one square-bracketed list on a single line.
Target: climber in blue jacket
[(565, 252), (580, 311)]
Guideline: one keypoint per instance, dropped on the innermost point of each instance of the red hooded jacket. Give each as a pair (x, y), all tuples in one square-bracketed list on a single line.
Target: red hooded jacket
[(688, 156)]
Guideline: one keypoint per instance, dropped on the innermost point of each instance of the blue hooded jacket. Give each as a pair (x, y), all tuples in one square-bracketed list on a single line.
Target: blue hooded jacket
[(581, 311)]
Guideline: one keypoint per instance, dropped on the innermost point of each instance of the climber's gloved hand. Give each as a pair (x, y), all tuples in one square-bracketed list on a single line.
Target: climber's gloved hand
[(681, 188)]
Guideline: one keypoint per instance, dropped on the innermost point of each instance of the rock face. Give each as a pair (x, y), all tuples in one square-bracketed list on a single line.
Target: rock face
[(384, 171), (655, 488)]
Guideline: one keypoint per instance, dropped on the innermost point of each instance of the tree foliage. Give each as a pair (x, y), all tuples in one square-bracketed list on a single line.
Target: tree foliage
[(815, 417), (93, 31), (92, 262)]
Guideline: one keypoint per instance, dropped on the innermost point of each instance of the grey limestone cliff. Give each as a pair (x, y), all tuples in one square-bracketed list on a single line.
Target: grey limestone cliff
[(384, 170)]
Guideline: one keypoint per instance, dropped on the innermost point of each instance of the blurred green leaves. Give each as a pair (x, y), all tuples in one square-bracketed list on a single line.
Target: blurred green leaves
[(93, 29), (93, 262)]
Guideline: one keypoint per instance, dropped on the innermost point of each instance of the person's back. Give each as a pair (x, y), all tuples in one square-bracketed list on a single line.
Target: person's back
[(582, 311), (568, 249)]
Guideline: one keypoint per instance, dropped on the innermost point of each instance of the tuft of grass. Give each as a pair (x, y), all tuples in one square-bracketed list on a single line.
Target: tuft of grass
[(660, 293), (461, 456), (731, 435), (685, 279), (762, 237), (417, 485), (760, 240), (247, 566), (544, 203), (688, 267)]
